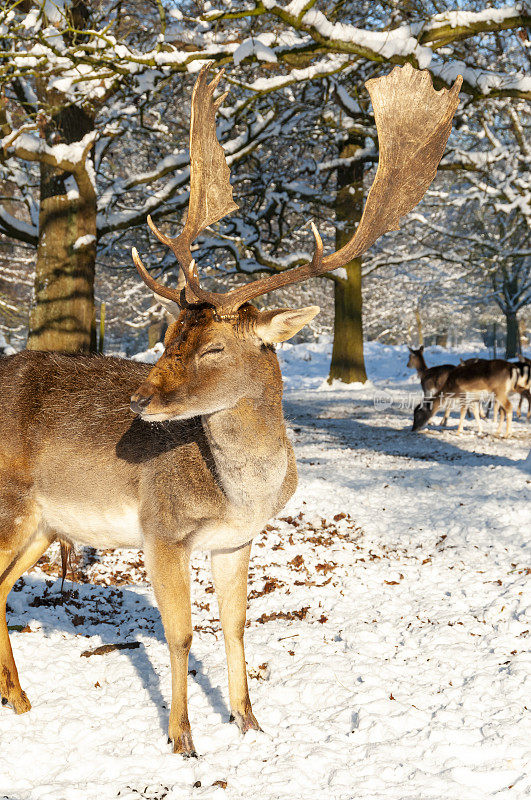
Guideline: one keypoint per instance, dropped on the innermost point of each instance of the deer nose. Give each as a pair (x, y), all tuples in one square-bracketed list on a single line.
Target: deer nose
[(139, 402)]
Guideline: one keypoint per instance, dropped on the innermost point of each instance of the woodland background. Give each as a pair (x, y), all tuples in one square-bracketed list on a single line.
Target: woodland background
[(94, 120)]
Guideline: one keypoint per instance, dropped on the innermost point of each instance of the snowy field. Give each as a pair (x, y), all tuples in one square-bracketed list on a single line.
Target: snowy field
[(387, 638)]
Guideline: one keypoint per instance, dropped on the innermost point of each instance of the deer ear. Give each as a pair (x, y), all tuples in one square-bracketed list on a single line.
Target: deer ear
[(277, 326), (171, 306), (421, 348)]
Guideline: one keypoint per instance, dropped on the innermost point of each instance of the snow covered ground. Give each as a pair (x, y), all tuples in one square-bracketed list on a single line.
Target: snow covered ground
[(388, 631)]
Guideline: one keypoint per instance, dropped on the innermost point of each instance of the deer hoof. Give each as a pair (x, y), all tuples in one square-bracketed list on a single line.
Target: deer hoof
[(245, 722), (184, 745), (19, 704)]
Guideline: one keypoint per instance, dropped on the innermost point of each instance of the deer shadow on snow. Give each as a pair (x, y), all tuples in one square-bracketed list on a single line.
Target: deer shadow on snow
[(70, 612), (346, 422)]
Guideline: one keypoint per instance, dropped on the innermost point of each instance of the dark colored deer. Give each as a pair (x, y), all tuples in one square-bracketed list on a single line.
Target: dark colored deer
[(432, 379), (192, 453)]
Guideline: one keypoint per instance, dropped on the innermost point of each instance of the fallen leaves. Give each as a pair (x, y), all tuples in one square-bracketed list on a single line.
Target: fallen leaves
[(300, 614), (109, 648)]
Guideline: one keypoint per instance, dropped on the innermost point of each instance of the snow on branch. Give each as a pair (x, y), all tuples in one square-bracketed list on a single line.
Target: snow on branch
[(417, 43), (235, 150), (68, 157), (18, 229)]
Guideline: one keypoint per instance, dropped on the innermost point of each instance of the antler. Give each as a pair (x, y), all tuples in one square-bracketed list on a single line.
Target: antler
[(210, 188), (413, 122)]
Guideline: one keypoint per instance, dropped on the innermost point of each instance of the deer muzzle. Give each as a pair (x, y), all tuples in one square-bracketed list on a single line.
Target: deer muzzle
[(141, 398)]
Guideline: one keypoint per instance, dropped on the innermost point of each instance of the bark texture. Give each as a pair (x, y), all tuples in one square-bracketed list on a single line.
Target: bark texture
[(511, 344), (348, 364), (63, 311)]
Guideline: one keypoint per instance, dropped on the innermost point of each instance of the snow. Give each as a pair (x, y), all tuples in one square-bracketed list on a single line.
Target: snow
[(458, 19), (398, 41), (255, 46), (54, 10), (84, 241), (386, 646)]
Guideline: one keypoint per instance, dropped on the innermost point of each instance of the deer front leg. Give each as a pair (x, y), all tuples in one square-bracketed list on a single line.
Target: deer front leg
[(477, 414), (444, 420), (169, 570), (229, 571)]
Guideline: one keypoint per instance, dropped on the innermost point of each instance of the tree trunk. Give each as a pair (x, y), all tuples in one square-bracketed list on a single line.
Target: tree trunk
[(511, 342), (420, 332), (348, 363), (62, 316), (63, 312)]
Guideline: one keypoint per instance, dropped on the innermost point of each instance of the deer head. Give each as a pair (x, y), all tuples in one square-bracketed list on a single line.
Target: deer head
[(210, 363), (217, 349), (416, 358)]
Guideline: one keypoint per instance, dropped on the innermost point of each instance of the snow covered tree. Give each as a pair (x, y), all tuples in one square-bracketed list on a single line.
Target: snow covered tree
[(94, 117), (94, 129), (489, 203), (345, 45)]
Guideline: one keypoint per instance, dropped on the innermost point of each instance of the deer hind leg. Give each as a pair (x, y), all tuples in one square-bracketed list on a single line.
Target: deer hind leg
[(20, 554), (505, 403), (229, 572), (169, 569)]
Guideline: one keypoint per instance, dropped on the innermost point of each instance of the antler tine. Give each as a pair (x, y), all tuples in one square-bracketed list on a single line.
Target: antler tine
[(155, 286), (316, 261)]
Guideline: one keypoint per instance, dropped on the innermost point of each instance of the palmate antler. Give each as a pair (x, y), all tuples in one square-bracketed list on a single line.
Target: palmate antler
[(413, 122)]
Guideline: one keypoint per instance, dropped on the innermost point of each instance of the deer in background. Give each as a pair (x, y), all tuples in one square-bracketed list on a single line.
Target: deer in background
[(432, 379), (467, 381), (191, 453), (524, 393)]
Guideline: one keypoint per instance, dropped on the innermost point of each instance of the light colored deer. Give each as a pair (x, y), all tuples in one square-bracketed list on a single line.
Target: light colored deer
[(476, 378), (204, 459)]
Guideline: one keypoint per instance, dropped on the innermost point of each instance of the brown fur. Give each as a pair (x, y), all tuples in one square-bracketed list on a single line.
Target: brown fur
[(78, 465), (495, 377), (432, 379)]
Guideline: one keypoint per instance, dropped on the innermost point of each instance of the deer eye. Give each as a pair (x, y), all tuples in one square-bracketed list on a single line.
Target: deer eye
[(212, 349)]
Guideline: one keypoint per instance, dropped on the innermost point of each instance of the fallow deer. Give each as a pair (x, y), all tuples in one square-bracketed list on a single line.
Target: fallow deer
[(467, 381), (523, 391), (432, 379), (525, 394), (193, 452)]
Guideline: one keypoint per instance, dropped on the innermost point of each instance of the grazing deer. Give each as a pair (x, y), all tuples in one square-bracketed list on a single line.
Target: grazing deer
[(193, 452), (466, 381)]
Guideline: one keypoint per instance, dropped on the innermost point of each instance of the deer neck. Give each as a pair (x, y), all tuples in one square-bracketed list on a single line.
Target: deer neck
[(250, 449), (421, 366)]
